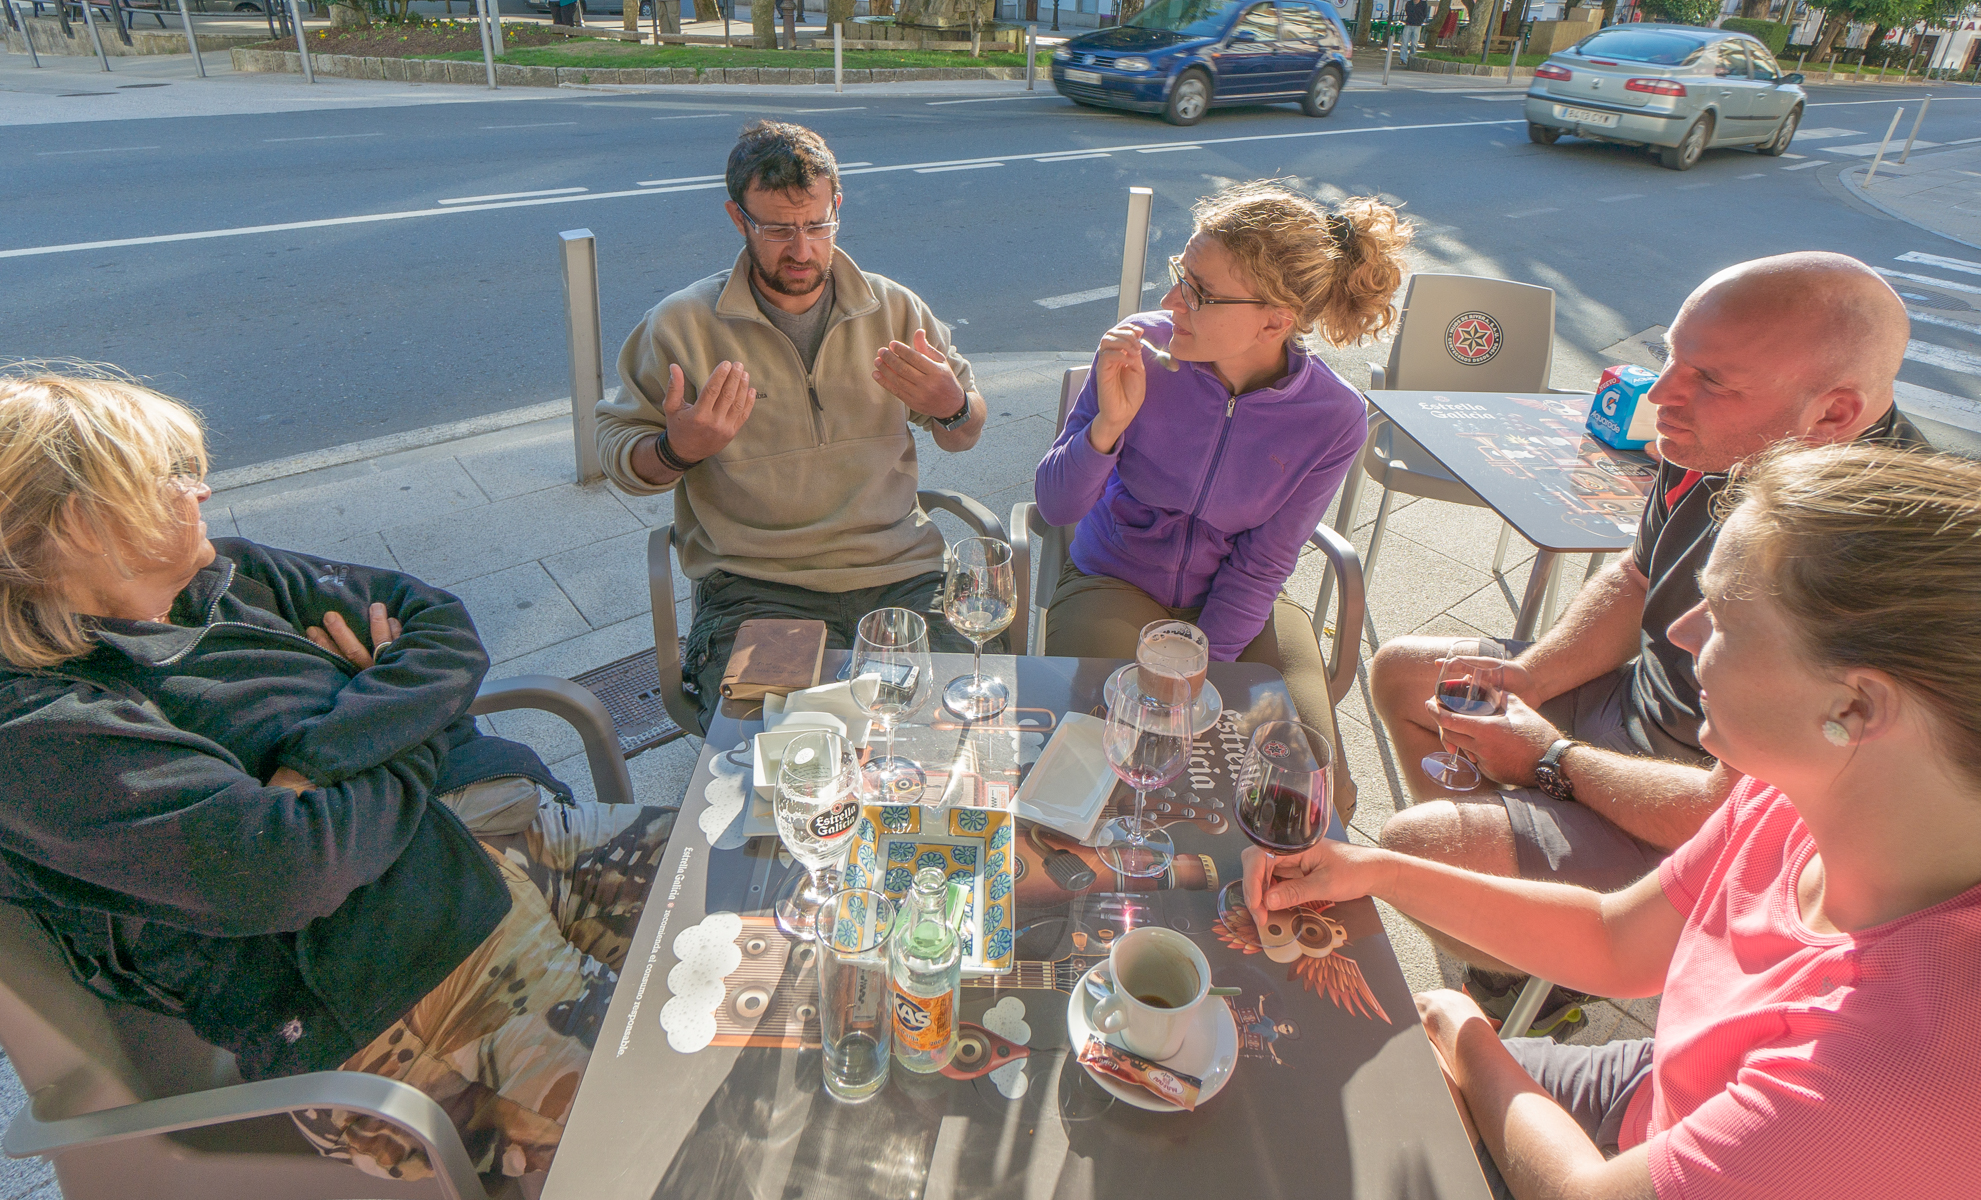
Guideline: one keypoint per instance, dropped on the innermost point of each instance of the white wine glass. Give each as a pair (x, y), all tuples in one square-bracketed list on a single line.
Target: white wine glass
[(979, 596), (817, 808), (1472, 689), (891, 679), (1148, 745)]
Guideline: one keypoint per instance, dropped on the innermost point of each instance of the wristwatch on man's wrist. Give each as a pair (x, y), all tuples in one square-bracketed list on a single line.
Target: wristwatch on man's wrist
[(1551, 775), (962, 416)]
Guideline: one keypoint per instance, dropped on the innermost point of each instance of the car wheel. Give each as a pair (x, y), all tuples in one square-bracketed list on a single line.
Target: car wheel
[(1322, 94), (1189, 99), (1783, 136), (244, 6), (1685, 155), (1542, 135)]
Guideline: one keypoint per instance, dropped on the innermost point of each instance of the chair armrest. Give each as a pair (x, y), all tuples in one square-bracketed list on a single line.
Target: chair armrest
[(1378, 377), (1350, 608), (666, 639), (577, 705), (1019, 635), (975, 515), (388, 1099)]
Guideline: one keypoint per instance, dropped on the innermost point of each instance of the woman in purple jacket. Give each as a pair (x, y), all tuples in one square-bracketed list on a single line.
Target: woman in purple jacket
[(1195, 489)]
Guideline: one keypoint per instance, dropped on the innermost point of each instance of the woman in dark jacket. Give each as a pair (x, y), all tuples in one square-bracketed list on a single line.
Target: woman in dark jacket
[(232, 789)]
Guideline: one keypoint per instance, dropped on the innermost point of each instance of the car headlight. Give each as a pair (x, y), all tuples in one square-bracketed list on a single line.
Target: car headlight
[(1136, 65), (1060, 55)]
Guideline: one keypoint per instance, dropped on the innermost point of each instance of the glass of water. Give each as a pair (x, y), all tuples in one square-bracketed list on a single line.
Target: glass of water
[(855, 1018), (817, 807)]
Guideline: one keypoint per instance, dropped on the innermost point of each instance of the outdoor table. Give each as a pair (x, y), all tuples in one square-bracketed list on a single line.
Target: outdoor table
[(1336, 1091), (1531, 459)]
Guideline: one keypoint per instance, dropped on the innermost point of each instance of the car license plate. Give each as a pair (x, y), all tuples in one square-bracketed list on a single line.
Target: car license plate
[(1093, 77), (1585, 116)]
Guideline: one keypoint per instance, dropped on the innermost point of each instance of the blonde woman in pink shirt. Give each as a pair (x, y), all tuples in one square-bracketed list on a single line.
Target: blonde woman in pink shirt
[(1818, 942)]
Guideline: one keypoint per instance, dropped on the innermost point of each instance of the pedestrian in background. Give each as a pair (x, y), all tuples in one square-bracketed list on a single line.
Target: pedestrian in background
[(564, 12), (1415, 14)]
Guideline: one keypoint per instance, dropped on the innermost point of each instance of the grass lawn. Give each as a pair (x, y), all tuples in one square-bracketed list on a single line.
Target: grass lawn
[(588, 53)]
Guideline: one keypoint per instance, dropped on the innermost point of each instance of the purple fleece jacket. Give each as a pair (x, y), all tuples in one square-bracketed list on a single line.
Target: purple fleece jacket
[(1208, 498)]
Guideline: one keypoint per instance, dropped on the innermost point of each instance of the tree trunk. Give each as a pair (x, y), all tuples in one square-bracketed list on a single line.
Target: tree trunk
[(763, 23), (1485, 14), (1833, 27), (1757, 9), (1430, 34), (840, 12)]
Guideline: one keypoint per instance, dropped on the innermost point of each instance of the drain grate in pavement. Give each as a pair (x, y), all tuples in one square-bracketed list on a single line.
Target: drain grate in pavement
[(1934, 300), (630, 691)]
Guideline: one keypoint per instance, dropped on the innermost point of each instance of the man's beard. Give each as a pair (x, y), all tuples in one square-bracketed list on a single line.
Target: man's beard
[(771, 282)]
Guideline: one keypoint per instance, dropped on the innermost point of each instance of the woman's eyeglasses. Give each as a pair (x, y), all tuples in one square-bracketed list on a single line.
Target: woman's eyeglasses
[(1194, 297), (821, 232)]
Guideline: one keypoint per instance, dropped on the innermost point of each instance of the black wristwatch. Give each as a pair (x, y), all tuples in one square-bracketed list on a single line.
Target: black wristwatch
[(960, 418), (1551, 776)]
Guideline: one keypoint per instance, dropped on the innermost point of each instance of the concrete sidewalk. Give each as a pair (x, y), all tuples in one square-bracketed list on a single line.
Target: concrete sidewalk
[(1938, 190)]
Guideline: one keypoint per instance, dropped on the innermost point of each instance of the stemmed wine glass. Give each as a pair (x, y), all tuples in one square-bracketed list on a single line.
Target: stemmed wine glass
[(891, 681), (817, 808), (1285, 784), (1472, 690), (979, 596), (1148, 745)]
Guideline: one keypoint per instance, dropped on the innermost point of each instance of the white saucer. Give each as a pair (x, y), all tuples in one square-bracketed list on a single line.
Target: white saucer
[(1203, 714), (1210, 1048)]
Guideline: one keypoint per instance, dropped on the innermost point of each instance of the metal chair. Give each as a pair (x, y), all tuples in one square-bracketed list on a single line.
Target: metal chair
[(1461, 333), (127, 1102), (662, 543), (1039, 554)]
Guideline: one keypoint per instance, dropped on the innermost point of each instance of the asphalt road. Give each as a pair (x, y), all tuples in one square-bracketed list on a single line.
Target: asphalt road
[(382, 308)]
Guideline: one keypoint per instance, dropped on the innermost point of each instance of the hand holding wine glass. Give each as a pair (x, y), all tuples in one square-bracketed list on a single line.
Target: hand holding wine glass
[(1471, 682), (891, 678), (980, 597), (1283, 802), (1148, 745)]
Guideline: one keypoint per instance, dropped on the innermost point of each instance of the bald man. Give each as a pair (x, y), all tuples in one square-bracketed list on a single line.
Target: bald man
[(1600, 740)]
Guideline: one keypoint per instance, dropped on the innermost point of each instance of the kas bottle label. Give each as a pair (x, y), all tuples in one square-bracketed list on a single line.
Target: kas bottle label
[(923, 1023)]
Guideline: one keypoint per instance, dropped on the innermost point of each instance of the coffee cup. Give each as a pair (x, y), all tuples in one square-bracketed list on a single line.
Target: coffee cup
[(1158, 977)]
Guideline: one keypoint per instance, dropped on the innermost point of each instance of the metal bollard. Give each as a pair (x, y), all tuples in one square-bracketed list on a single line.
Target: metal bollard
[(95, 37), (34, 55), (302, 44), (578, 257), (1389, 48), (1134, 251), (192, 43), (1513, 63), (1031, 57), (1916, 123), (1889, 130), (495, 24), (838, 58), (487, 41)]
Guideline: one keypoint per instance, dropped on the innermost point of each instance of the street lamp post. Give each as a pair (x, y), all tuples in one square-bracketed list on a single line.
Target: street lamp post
[(1055, 16)]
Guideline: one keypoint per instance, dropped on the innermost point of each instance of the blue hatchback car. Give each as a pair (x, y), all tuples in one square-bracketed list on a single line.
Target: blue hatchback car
[(1183, 57)]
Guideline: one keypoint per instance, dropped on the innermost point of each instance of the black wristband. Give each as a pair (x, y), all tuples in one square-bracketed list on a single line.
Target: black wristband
[(961, 417), (668, 458)]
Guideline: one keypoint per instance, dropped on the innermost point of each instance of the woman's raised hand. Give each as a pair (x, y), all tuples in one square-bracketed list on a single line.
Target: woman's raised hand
[(1120, 383)]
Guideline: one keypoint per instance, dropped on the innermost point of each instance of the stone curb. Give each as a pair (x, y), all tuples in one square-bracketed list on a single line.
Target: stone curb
[(429, 70), (1438, 66), (1857, 189)]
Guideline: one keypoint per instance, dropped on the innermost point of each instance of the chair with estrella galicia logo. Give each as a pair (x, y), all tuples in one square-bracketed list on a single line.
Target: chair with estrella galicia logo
[(1462, 333)]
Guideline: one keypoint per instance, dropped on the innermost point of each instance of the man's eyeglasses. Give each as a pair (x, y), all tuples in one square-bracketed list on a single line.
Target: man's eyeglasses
[(1194, 297), (820, 232)]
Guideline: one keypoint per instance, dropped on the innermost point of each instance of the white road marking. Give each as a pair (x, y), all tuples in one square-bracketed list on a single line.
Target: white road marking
[(1615, 199), (324, 137), (1962, 141), (1948, 284), (1943, 356), (847, 108), (995, 99), (1817, 135), (1786, 154), (533, 125), (1501, 96), (1088, 296), (683, 179), (1891, 100), (1531, 212), (1072, 158), (693, 116), (100, 150), (957, 167), (1867, 149), (1167, 149), (1805, 166), (1921, 318), (1965, 266), (513, 195), (1955, 410), (1686, 187), (653, 190), (1753, 175)]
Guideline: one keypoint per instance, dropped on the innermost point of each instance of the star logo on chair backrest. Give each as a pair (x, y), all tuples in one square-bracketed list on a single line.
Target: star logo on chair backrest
[(1472, 338)]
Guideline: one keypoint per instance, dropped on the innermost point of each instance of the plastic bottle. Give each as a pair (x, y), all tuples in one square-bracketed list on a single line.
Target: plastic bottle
[(925, 963)]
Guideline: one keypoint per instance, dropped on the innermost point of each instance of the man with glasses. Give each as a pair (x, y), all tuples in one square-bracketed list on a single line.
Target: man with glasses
[(776, 399)]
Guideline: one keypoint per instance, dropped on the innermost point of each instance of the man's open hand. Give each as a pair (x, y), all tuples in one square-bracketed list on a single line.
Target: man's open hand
[(920, 378), (700, 430)]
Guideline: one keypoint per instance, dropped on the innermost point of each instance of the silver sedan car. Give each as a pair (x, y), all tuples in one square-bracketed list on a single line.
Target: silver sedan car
[(1677, 89)]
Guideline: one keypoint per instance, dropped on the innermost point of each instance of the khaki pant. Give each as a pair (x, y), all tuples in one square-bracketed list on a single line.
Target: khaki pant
[(1099, 616)]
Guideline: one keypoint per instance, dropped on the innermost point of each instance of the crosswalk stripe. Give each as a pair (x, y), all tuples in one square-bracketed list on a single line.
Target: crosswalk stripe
[(1948, 284), (1920, 318), (1966, 266), (1943, 356), (1954, 410)]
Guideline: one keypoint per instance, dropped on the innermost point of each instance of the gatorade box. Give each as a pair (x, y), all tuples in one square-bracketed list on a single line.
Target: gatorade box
[(1620, 417)]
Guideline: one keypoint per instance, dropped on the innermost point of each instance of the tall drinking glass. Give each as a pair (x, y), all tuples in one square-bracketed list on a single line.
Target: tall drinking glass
[(1148, 745), (979, 596), (1473, 689), (1174, 656), (891, 681), (817, 808), (1285, 787), (857, 1022)]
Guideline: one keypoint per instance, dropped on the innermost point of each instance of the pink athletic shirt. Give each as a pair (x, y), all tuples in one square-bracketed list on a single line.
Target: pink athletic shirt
[(1795, 1064)]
